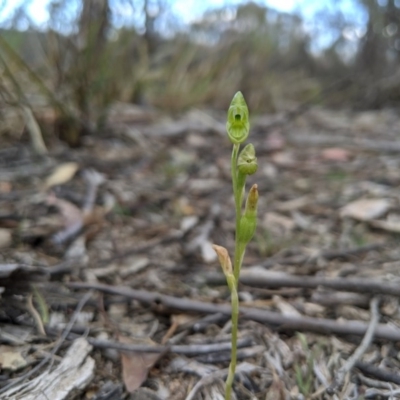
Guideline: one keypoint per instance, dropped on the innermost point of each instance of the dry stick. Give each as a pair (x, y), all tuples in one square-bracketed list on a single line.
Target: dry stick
[(372, 383), (263, 279), (378, 373), (192, 349), (59, 343), (373, 393), (164, 303), (361, 349)]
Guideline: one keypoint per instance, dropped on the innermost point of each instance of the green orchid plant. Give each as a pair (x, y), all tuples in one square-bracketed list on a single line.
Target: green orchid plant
[(243, 163)]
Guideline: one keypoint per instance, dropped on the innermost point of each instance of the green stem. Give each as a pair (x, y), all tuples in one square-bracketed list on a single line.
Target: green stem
[(235, 320), (238, 211), (237, 263), (235, 155)]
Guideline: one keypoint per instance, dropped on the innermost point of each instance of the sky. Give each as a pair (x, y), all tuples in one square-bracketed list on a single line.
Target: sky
[(190, 10), (187, 10)]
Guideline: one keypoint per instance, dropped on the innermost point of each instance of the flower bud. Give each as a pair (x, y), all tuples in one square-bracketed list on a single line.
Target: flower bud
[(248, 221), (247, 161), (237, 124)]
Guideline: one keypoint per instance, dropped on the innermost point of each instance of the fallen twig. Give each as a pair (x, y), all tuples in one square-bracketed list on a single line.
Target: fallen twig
[(378, 373), (261, 278), (192, 349), (361, 349), (164, 303)]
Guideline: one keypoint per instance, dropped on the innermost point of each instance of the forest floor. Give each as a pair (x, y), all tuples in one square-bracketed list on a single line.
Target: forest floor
[(111, 290)]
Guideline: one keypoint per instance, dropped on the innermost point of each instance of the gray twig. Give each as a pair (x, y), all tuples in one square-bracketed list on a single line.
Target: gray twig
[(261, 278), (160, 302), (360, 350)]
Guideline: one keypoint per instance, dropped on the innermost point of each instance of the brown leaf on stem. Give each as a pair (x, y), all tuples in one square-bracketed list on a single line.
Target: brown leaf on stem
[(224, 259)]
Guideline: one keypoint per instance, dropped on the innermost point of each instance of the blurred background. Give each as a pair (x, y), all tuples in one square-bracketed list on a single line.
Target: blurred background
[(69, 61)]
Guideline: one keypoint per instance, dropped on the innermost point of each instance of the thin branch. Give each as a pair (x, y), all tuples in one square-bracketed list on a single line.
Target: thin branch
[(361, 349), (189, 350), (192, 349), (268, 279), (378, 373), (164, 303)]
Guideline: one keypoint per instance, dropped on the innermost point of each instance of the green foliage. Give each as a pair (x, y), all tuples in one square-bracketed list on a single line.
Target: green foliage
[(304, 373)]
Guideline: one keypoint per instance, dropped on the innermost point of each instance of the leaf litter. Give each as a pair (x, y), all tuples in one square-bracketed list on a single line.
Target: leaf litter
[(134, 214)]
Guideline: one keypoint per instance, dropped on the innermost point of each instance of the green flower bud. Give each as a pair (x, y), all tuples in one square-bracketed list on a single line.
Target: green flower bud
[(248, 221), (237, 124), (247, 161)]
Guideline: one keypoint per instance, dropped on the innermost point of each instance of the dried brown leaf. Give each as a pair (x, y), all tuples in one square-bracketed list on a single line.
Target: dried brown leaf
[(62, 174), (136, 366)]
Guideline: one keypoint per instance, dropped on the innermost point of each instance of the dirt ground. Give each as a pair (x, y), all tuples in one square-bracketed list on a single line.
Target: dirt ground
[(111, 290)]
